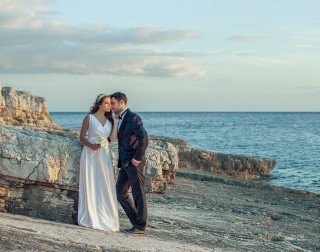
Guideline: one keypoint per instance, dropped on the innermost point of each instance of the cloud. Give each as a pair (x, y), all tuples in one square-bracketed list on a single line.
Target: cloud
[(33, 42), (15, 14), (263, 60), (266, 61), (307, 45), (245, 54), (309, 90), (244, 37)]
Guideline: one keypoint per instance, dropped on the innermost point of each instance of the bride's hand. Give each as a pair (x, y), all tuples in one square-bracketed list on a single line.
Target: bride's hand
[(95, 147), (115, 117)]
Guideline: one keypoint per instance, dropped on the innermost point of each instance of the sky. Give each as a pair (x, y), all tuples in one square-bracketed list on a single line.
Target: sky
[(182, 55)]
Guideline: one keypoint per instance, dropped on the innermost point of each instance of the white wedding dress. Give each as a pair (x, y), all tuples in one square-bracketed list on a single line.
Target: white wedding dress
[(97, 206)]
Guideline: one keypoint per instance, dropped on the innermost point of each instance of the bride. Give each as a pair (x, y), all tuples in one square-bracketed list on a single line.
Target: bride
[(97, 193)]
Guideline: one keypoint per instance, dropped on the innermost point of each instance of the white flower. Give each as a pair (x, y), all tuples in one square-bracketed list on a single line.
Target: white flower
[(104, 143)]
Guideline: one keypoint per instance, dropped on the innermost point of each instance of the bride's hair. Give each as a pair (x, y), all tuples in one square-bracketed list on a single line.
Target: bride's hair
[(99, 100)]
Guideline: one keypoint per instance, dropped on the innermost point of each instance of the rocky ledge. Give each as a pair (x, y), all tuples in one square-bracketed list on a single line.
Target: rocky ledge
[(237, 166), (23, 110), (200, 212)]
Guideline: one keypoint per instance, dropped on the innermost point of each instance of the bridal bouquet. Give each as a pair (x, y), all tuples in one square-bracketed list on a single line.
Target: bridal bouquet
[(103, 142)]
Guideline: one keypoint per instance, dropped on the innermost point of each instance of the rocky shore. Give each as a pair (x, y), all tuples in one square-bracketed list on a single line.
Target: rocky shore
[(197, 200), (199, 212)]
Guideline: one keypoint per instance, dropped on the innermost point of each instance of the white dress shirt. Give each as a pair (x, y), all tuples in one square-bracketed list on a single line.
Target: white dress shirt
[(123, 113)]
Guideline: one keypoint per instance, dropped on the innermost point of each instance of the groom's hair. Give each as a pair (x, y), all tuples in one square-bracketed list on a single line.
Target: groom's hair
[(120, 96)]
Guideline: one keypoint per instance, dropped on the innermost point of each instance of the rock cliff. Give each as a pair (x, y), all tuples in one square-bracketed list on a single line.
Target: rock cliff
[(23, 110)]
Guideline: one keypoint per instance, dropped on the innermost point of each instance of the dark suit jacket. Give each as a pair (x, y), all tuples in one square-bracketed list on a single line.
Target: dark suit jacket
[(132, 139)]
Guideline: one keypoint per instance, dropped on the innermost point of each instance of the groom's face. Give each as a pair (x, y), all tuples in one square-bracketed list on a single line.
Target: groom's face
[(115, 105)]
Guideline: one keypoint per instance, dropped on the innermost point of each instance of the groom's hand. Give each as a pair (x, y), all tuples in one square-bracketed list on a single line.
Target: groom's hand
[(135, 162)]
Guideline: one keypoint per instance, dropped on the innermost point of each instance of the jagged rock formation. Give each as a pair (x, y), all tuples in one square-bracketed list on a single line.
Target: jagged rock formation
[(53, 157), (23, 110), (232, 165)]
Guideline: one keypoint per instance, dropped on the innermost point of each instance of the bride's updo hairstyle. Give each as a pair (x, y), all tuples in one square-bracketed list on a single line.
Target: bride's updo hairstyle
[(99, 100)]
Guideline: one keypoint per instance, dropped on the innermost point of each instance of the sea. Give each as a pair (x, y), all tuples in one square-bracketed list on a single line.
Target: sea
[(292, 139)]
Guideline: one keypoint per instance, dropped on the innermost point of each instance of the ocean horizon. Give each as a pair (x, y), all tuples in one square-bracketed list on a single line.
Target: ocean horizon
[(291, 138)]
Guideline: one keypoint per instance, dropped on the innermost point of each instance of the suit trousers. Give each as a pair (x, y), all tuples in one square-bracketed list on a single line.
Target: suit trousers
[(136, 209)]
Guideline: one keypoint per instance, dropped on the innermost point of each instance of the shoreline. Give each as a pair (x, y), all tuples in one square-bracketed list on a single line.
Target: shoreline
[(275, 177), (266, 180), (258, 183)]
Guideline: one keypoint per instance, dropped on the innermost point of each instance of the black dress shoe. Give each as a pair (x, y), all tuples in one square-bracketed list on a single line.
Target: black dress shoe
[(137, 232), (128, 230)]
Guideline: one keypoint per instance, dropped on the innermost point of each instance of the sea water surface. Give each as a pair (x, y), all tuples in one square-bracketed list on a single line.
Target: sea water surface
[(292, 139)]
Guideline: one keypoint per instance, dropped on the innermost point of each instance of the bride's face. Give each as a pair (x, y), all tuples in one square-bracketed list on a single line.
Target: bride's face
[(106, 104)]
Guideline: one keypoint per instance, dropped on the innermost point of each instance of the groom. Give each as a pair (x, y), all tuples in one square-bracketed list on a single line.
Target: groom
[(133, 141)]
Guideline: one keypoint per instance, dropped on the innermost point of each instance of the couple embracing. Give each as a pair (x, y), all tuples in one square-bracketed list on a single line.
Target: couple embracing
[(98, 190)]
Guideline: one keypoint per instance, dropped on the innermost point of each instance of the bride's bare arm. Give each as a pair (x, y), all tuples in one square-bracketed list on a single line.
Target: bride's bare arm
[(83, 139)]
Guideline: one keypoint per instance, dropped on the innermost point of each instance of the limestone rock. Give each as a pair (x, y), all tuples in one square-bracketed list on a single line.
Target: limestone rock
[(158, 184), (40, 156), (233, 165), (54, 157), (2, 100), (181, 143), (238, 166), (39, 171), (21, 109)]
